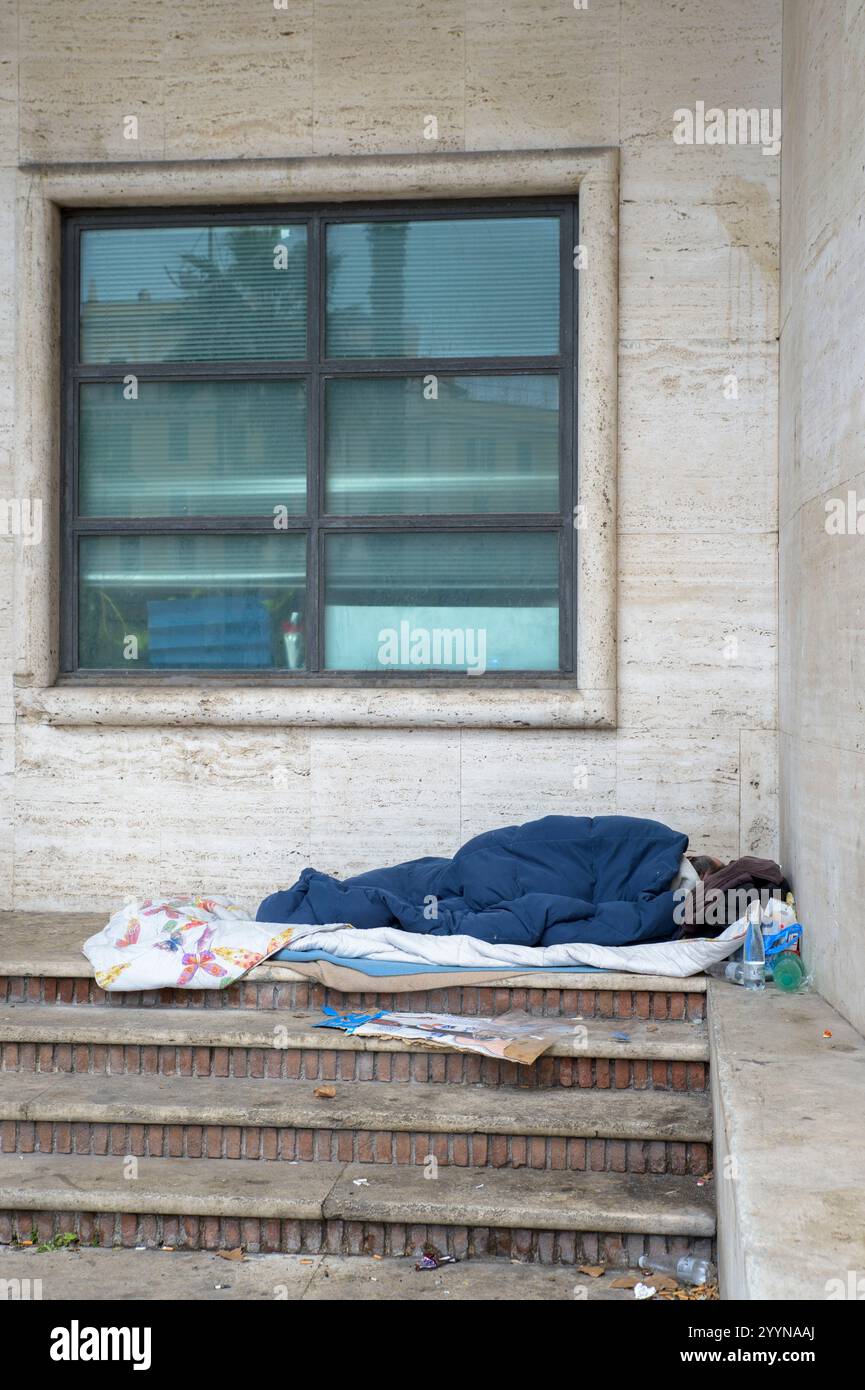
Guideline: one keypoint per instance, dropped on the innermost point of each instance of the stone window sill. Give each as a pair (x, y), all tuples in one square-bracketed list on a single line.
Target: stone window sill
[(216, 704)]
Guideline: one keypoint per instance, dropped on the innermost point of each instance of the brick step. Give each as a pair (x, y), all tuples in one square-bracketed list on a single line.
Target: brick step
[(366, 1121), (547, 1218), (286, 1045), (591, 995)]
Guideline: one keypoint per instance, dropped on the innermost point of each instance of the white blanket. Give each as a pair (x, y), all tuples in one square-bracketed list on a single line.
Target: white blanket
[(209, 943), (678, 958)]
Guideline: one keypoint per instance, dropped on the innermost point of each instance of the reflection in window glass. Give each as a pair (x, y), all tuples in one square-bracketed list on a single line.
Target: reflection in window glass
[(403, 445), (468, 287), (192, 601), (193, 294), (192, 448), (448, 601)]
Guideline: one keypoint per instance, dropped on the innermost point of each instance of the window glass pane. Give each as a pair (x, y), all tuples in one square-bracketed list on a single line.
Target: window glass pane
[(468, 287), (157, 602), (403, 445), (193, 294), (192, 448), (464, 601)]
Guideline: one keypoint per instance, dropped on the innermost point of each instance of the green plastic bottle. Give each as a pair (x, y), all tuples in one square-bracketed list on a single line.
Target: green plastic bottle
[(788, 972)]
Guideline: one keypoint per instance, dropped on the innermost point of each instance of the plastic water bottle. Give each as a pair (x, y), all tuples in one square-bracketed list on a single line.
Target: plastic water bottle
[(788, 972), (688, 1269), (292, 633), (732, 970), (754, 957)]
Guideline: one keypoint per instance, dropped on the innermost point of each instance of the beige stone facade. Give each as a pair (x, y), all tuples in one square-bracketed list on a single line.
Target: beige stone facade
[(822, 673), (230, 92)]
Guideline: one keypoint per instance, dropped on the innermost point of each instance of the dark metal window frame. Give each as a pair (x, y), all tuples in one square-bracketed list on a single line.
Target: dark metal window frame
[(315, 369)]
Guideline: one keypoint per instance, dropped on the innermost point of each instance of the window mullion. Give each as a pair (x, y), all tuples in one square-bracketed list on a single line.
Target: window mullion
[(569, 463), (314, 617), (440, 366)]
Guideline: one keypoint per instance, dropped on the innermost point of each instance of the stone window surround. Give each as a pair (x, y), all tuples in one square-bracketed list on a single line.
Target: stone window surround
[(248, 701)]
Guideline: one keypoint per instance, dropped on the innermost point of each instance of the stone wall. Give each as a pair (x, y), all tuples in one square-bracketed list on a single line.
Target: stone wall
[(90, 814), (822, 449)]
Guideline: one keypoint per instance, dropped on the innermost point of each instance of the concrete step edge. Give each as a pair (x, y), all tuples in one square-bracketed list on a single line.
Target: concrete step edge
[(379, 1106), (518, 1199), (157, 1275), (665, 1040)]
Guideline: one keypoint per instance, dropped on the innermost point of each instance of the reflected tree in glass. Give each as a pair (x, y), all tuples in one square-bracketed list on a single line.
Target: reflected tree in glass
[(250, 281)]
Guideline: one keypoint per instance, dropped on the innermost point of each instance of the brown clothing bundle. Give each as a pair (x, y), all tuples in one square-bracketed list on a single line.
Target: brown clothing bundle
[(718, 899)]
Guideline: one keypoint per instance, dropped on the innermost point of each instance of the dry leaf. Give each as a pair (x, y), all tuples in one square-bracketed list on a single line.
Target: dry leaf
[(231, 1254), (664, 1283), (626, 1281), (324, 1092), (593, 1271)]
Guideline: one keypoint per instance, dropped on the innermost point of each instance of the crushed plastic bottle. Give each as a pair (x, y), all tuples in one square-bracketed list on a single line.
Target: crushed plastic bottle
[(688, 1269), (732, 970)]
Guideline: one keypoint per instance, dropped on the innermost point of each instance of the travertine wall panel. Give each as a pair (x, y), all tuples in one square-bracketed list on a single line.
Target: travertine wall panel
[(677, 52), (822, 449), (564, 90), (374, 790), (381, 69), (697, 616), (238, 80), (822, 377), (710, 474), (758, 794), (506, 778), (822, 674), (8, 542), (822, 837), (83, 68), (8, 83), (699, 242), (825, 95), (196, 808), (657, 774)]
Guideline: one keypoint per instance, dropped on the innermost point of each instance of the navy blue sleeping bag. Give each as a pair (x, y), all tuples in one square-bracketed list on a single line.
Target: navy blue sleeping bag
[(604, 880)]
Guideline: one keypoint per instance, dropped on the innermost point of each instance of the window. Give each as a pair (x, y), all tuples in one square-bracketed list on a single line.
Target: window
[(331, 444)]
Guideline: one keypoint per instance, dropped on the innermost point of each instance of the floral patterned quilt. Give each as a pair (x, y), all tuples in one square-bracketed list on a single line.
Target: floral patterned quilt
[(183, 943)]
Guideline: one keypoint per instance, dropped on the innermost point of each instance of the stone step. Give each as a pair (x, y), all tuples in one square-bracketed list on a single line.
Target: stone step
[(540, 1217), (365, 1121), (86, 1275), (282, 1044), (41, 963)]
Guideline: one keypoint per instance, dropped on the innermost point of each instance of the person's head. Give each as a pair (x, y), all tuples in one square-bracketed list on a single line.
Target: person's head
[(705, 864)]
